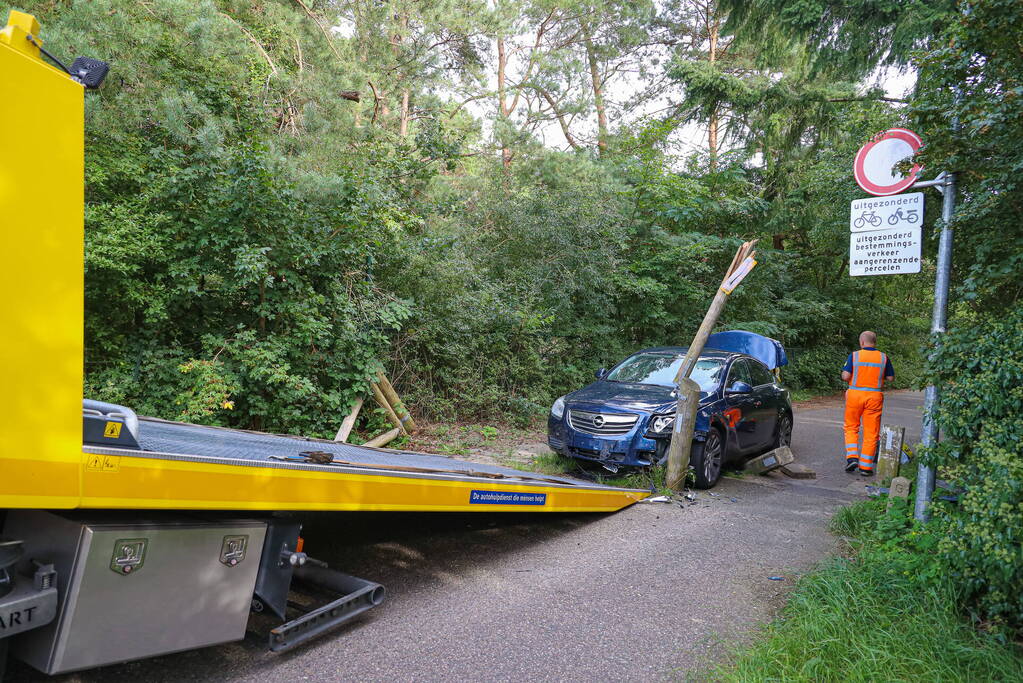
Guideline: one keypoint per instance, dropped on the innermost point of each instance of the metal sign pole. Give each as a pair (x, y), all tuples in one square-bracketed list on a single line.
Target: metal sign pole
[(925, 474)]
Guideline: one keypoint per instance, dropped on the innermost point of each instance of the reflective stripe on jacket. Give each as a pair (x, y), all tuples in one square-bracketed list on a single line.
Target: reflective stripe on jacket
[(868, 370)]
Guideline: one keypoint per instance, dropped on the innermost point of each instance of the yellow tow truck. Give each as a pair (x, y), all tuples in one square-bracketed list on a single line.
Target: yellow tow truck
[(123, 537)]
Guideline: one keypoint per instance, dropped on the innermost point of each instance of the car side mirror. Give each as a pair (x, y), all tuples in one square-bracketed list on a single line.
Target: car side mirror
[(600, 374), (739, 388)]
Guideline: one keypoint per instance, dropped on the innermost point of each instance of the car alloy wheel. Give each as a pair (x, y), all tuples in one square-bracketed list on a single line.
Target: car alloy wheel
[(784, 434), (707, 458), (712, 452)]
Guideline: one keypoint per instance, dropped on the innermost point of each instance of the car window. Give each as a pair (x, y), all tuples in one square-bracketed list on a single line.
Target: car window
[(661, 368), (738, 373), (759, 372)]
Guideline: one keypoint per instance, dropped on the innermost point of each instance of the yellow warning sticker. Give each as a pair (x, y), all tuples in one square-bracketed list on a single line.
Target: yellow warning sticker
[(104, 463), (112, 430)]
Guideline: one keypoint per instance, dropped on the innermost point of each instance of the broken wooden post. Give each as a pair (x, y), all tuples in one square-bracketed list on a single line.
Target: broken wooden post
[(889, 451), (381, 400), (899, 488), (399, 408), (349, 422), (772, 460), (682, 435)]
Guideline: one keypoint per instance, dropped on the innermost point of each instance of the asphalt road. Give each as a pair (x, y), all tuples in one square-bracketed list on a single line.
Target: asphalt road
[(653, 592)]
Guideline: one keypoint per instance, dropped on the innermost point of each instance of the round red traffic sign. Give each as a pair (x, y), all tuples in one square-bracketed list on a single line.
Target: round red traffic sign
[(874, 162)]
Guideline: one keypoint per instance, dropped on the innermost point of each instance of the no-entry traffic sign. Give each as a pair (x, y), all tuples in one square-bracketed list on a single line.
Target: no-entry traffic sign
[(874, 162)]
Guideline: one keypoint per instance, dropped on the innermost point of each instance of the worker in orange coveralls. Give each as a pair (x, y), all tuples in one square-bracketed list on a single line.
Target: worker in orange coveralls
[(866, 372)]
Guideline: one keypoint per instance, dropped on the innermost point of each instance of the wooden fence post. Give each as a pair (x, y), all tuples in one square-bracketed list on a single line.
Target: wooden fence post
[(349, 422), (399, 408)]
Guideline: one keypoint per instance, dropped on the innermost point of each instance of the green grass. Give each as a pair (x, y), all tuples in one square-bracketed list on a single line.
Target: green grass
[(883, 614), (645, 478), (547, 463)]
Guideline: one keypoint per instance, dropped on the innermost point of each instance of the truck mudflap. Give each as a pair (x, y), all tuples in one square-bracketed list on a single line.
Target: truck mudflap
[(356, 596)]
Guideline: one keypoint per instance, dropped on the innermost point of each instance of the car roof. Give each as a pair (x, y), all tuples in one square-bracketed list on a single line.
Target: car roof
[(679, 350)]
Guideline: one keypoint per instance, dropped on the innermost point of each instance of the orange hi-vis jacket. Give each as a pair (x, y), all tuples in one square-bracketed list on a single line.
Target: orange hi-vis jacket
[(868, 370), (864, 402)]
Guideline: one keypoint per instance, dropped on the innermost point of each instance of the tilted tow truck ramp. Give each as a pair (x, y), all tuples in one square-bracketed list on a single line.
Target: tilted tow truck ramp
[(183, 466)]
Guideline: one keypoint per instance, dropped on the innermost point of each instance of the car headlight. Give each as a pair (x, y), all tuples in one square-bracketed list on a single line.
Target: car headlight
[(662, 423), (558, 409)]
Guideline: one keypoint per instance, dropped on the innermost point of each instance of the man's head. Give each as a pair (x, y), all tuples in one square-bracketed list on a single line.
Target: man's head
[(867, 338)]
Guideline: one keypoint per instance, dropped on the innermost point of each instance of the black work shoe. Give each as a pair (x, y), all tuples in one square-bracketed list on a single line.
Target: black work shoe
[(866, 473), (851, 464)]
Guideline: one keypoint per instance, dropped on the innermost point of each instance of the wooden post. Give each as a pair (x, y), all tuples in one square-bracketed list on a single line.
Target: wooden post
[(385, 438), (889, 451), (349, 422), (399, 408), (382, 402), (688, 398), (682, 434)]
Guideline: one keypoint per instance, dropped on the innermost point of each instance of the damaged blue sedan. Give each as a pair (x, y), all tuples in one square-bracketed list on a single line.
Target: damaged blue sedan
[(625, 418)]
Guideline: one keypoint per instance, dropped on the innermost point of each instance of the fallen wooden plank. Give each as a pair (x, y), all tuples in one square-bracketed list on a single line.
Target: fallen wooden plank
[(349, 422), (383, 439)]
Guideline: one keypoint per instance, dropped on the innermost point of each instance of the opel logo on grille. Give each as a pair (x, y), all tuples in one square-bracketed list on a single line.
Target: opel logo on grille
[(598, 421)]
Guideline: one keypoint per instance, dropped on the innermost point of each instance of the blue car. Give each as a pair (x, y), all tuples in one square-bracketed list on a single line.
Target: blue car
[(625, 418)]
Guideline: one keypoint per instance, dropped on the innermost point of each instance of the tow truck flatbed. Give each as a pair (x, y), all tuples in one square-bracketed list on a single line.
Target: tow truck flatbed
[(185, 466)]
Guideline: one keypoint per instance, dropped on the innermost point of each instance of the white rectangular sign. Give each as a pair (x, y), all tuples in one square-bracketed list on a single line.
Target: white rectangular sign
[(736, 277), (892, 251), (896, 211)]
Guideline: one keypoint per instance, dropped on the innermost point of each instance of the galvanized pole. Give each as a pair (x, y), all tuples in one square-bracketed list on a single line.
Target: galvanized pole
[(925, 474)]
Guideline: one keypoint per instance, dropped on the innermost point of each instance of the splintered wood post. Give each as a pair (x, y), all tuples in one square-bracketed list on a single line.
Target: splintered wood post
[(689, 391), (383, 439), (685, 423), (399, 408), (381, 400), (349, 422), (889, 451)]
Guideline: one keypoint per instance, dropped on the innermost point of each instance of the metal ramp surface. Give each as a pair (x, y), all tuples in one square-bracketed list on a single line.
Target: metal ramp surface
[(184, 466)]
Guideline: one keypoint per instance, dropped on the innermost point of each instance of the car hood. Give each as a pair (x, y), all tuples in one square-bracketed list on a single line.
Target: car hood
[(650, 397)]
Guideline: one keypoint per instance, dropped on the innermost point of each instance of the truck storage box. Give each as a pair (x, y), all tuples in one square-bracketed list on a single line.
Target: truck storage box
[(133, 588)]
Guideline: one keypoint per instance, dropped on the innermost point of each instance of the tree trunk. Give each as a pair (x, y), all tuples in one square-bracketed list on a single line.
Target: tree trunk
[(598, 96), (405, 113), (502, 95), (714, 25)]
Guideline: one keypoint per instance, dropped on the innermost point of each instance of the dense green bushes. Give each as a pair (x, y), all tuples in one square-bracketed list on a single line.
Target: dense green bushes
[(980, 370)]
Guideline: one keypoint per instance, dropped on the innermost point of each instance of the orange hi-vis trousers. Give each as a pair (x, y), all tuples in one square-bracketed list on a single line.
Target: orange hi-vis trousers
[(865, 406)]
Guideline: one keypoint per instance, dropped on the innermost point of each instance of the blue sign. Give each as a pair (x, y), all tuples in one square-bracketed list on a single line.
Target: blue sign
[(506, 498)]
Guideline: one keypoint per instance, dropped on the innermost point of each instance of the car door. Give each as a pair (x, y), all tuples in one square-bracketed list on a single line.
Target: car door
[(739, 408), (765, 401)]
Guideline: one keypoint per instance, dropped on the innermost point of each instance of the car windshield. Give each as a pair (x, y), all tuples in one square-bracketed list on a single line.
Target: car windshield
[(661, 368)]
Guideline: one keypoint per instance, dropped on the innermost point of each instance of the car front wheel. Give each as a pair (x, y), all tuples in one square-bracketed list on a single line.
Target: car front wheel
[(707, 458), (783, 432)]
